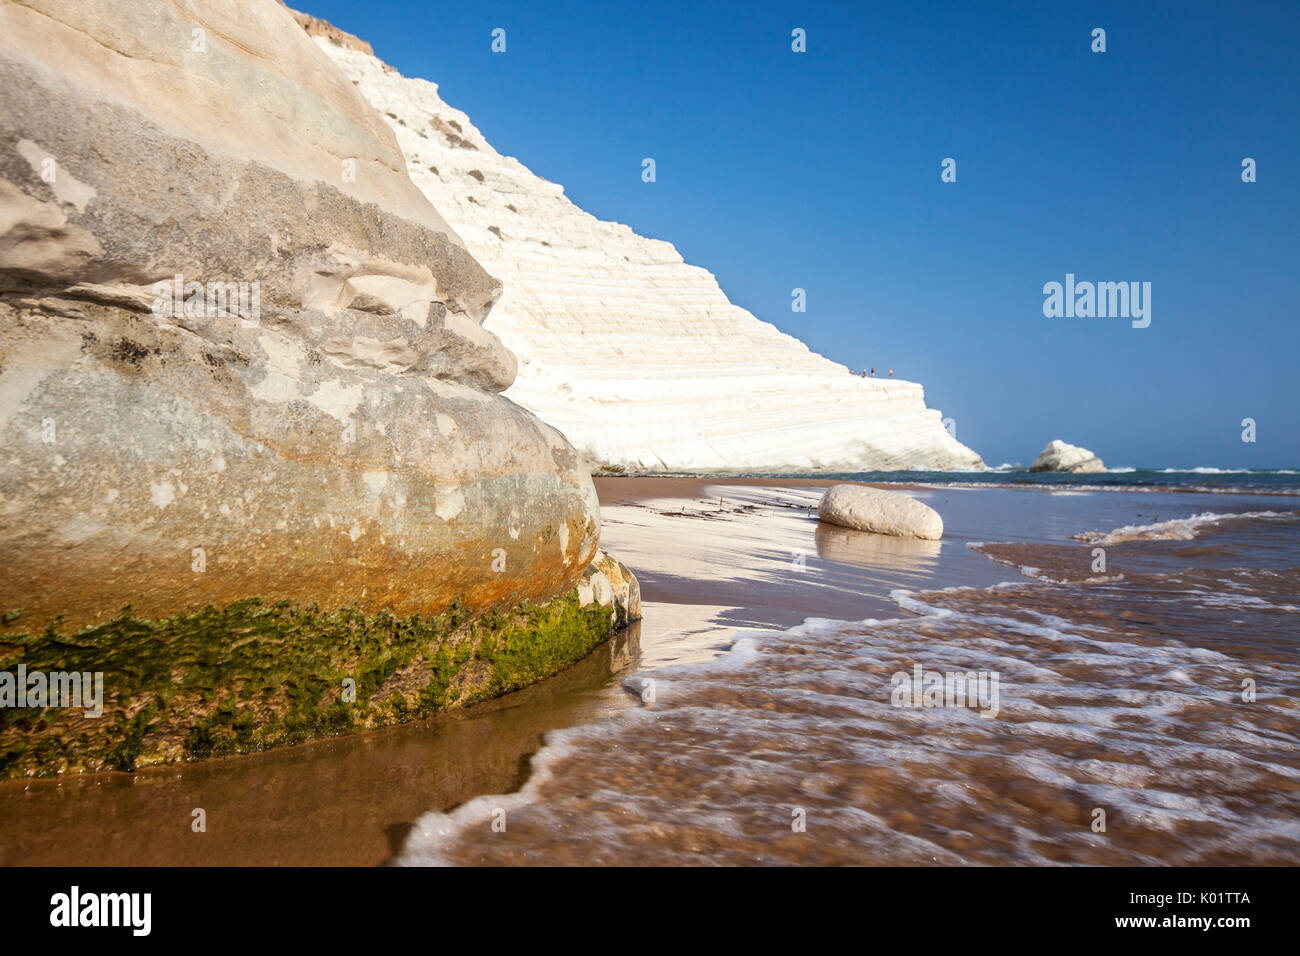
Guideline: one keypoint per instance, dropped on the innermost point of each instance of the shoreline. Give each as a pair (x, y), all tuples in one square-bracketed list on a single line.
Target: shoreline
[(482, 748), (913, 484), (708, 570)]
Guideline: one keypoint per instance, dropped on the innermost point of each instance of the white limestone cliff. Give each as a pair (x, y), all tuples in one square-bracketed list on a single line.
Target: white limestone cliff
[(635, 355)]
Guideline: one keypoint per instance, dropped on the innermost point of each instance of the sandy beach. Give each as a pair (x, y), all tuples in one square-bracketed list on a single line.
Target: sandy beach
[(705, 552), (1122, 734), (716, 558)]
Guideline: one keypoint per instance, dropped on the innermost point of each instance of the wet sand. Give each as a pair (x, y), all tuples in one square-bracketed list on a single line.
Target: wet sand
[(714, 557), (1146, 715), (350, 801)]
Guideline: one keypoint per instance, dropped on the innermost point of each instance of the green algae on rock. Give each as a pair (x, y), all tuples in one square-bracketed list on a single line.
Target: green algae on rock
[(296, 467), (254, 675)]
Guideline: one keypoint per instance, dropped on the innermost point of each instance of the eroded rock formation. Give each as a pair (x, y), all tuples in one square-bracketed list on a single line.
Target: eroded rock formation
[(338, 437), (637, 356)]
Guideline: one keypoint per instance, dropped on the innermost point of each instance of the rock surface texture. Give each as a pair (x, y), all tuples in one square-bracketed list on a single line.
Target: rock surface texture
[(881, 512), (342, 439), (610, 584), (636, 356), (1061, 456)]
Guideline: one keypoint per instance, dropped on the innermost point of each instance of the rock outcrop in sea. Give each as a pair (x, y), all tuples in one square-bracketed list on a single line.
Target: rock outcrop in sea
[(635, 355), (243, 366), (1062, 456)]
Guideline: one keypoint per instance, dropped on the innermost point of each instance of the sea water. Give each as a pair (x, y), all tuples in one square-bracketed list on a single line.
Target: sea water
[(1147, 707)]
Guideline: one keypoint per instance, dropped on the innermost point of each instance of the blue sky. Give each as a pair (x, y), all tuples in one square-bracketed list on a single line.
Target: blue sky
[(821, 170)]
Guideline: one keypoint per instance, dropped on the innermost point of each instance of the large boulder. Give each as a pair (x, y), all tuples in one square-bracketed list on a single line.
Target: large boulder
[(338, 438), (1062, 456), (881, 512)]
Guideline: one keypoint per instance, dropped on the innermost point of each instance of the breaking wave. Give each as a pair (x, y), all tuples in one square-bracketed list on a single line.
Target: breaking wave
[(1123, 695), (1175, 529)]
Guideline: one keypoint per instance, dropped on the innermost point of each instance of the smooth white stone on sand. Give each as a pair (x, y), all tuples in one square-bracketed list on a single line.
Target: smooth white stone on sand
[(882, 512)]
